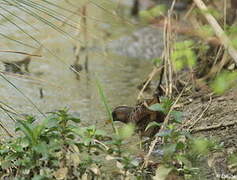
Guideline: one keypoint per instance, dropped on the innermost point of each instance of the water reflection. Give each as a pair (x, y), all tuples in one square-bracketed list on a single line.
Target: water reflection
[(119, 76)]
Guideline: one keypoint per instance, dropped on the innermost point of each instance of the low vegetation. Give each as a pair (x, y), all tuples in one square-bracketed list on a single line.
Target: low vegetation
[(59, 148)]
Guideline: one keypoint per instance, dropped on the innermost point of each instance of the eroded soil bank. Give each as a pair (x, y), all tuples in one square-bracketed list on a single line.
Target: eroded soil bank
[(215, 117)]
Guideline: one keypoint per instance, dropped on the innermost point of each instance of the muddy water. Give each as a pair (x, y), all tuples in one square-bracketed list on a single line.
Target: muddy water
[(118, 75)]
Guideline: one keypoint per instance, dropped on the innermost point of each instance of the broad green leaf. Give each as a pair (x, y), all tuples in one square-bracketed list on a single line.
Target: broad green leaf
[(27, 129), (25, 142), (38, 130), (126, 131), (156, 107), (42, 148), (201, 146), (167, 103), (76, 120), (177, 115)]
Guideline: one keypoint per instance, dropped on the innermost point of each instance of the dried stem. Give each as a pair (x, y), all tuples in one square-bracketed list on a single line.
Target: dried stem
[(217, 29)]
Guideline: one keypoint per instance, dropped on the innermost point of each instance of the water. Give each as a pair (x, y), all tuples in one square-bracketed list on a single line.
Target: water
[(119, 75)]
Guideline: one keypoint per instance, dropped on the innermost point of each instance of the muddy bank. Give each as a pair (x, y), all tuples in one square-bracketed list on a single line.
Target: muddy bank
[(215, 117)]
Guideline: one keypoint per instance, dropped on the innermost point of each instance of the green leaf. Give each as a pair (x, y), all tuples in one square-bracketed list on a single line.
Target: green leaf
[(38, 130), (201, 145), (126, 131), (184, 160), (158, 10), (225, 80), (162, 173), (167, 103), (177, 116), (76, 120), (106, 104), (157, 61), (26, 128), (156, 107), (183, 55), (42, 148), (152, 124), (180, 146), (169, 149), (39, 177), (146, 15), (25, 142), (51, 122)]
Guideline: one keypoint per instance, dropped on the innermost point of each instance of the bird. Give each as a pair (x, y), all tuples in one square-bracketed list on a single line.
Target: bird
[(76, 69), (141, 116)]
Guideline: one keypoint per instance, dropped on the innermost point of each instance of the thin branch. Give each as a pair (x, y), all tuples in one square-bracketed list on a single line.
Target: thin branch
[(201, 115), (19, 52), (150, 77), (214, 127), (5, 129), (217, 29)]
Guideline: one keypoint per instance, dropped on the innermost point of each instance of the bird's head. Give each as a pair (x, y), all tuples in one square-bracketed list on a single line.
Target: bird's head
[(122, 113)]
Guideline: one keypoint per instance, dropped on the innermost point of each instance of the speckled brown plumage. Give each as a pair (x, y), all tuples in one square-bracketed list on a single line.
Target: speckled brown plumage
[(140, 115)]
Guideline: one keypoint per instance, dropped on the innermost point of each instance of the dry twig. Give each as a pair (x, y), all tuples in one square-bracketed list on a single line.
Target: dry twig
[(152, 146), (214, 127), (5, 129), (201, 115), (150, 76), (20, 52), (217, 29)]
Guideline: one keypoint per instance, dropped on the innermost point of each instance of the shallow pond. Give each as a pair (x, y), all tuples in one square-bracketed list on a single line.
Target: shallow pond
[(118, 75)]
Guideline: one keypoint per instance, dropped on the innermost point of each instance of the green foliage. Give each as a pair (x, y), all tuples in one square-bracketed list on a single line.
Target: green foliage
[(186, 151), (232, 33), (206, 31), (157, 61), (126, 131), (232, 161), (59, 148), (152, 124), (212, 11), (183, 55), (156, 11), (165, 106), (106, 105), (225, 80)]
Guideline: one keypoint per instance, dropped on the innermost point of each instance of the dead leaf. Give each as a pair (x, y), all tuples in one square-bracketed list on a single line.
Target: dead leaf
[(61, 173), (161, 173), (94, 168)]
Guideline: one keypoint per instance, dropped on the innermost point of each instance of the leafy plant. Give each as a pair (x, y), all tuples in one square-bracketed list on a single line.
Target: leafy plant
[(183, 152), (225, 80), (158, 10), (59, 148), (183, 55), (165, 106)]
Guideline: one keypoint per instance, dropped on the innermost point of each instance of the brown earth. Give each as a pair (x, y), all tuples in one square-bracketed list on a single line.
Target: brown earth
[(215, 117)]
